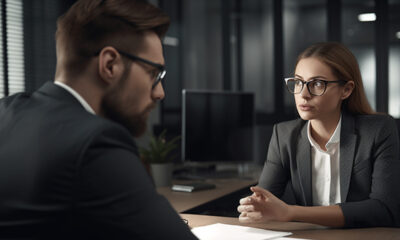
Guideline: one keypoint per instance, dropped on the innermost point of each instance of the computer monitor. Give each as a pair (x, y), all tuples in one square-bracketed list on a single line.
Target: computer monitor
[(217, 126)]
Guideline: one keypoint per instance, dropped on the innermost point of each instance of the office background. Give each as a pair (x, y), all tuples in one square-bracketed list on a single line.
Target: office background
[(238, 45)]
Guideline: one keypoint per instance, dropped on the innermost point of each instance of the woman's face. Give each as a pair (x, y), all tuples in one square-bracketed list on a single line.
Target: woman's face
[(322, 107)]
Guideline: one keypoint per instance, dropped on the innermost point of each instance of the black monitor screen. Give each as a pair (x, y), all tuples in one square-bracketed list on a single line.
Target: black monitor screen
[(217, 126)]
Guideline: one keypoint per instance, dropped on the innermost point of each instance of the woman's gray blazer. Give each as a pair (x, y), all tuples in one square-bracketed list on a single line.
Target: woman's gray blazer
[(369, 168)]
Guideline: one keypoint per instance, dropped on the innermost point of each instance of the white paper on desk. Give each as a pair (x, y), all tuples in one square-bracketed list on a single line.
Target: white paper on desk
[(289, 238), (220, 231)]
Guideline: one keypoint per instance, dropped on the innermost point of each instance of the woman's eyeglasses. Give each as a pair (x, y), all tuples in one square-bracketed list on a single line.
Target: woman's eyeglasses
[(316, 87)]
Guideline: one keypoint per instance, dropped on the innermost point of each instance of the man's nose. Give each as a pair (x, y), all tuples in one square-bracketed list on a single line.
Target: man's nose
[(158, 92)]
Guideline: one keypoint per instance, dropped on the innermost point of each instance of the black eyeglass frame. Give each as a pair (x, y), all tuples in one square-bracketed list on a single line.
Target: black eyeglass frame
[(161, 68), (326, 82)]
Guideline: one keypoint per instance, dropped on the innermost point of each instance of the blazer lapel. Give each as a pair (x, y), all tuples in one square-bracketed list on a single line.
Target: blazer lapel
[(348, 141), (303, 159)]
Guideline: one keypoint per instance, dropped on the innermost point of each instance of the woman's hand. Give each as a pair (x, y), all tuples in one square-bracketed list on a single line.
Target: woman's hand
[(263, 206)]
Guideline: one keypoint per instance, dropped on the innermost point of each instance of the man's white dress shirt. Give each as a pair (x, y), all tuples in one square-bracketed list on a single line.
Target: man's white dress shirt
[(77, 96)]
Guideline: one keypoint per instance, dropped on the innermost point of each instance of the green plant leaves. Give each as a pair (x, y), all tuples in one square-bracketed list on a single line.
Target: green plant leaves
[(159, 149)]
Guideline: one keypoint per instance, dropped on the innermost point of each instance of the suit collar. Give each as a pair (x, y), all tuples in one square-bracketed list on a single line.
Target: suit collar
[(57, 93), (335, 138), (304, 164), (348, 140), (78, 97)]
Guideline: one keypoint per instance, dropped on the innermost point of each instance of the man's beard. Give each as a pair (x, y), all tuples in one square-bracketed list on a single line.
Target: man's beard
[(115, 108)]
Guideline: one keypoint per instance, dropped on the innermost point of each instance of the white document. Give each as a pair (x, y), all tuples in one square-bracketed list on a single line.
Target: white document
[(289, 238), (220, 231)]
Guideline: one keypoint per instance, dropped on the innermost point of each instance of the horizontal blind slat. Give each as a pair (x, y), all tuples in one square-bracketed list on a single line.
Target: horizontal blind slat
[(15, 46)]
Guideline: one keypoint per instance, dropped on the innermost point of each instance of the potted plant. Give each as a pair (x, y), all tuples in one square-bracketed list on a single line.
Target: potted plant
[(158, 156)]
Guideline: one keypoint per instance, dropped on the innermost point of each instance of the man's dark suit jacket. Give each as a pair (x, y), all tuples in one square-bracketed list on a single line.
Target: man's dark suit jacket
[(369, 168), (65, 173)]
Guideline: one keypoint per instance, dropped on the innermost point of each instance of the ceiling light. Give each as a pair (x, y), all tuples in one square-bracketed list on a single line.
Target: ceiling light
[(398, 35), (367, 17)]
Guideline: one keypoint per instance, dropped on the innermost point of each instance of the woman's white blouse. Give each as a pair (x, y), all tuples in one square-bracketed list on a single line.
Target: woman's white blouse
[(326, 169)]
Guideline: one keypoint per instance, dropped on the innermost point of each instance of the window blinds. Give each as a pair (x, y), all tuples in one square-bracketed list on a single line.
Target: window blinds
[(12, 72)]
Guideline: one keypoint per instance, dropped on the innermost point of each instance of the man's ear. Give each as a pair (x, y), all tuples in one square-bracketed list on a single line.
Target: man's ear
[(347, 89), (111, 66)]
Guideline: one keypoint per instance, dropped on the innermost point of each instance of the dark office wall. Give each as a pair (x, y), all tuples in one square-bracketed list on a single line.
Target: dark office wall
[(202, 44), (40, 18), (257, 51)]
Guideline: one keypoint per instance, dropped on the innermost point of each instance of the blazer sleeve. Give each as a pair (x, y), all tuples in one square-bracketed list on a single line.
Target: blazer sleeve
[(383, 206), (274, 176), (116, 198)]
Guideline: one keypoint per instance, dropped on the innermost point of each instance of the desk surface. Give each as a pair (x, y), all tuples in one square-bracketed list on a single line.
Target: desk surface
[(302, 230), (183, 201)]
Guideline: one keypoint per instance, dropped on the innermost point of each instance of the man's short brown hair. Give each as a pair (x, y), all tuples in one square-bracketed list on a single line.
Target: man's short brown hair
[(90, 25)]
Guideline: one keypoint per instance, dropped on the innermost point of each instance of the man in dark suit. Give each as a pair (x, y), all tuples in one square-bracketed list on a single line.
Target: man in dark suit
[(69, 167)]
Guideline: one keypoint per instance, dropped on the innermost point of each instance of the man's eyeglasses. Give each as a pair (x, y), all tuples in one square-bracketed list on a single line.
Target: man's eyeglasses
[(161, 69), (316, 87)]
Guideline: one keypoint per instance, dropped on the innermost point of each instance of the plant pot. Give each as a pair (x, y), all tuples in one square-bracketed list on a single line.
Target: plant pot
[(162, 174)]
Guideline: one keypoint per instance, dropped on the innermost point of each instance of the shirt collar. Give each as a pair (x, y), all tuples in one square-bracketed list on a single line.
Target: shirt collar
[(335, 138), (77, 96)]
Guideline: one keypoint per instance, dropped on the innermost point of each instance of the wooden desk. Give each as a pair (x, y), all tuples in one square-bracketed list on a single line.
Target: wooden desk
[(184, 201), (302, 230)]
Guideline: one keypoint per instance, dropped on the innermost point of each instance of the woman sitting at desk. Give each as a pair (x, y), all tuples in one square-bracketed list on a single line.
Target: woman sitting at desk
[(341, 158)]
